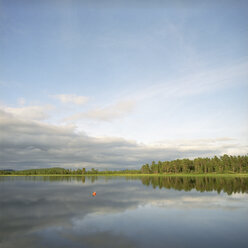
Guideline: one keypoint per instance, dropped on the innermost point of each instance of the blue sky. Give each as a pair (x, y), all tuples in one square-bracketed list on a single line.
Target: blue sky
[(166, 75)]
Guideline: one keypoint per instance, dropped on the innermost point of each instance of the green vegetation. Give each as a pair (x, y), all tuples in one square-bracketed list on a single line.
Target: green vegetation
[(69, 172), (223, 165)]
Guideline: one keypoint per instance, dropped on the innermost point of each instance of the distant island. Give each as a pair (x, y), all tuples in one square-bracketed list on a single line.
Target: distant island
[(199, 166)]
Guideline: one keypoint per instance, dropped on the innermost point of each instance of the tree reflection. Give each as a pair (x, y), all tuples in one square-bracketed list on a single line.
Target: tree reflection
[(202, 184), (228, 185)]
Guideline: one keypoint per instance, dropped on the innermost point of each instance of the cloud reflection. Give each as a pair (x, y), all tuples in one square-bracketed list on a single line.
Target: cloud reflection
[(60, 212)]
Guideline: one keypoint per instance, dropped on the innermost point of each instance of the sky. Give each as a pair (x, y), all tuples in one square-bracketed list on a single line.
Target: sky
[(115, 84)]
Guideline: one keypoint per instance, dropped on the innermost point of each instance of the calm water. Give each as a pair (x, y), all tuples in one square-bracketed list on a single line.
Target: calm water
[(126, 212)]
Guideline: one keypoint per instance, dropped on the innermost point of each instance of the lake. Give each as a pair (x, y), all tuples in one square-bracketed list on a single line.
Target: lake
[(126, 212)]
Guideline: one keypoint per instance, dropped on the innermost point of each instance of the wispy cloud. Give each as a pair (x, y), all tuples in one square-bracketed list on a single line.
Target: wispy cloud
[(29, 112), (107, 113), (71, 98), (200, 82), (21, 101)]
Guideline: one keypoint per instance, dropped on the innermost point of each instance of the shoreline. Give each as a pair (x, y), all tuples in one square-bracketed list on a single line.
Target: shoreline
[(138, 175)]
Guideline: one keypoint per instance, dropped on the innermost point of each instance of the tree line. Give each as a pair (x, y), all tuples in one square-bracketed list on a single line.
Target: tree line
[(62, 171), (219, 165), (222, 164)]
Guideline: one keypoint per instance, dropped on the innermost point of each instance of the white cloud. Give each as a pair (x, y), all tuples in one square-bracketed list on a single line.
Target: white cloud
[(21, 101), (225, 144), (78, 100), (29, 112), (25, 143), (108, 113)]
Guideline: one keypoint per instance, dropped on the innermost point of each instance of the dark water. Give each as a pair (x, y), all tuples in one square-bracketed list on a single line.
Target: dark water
[(126, 212)]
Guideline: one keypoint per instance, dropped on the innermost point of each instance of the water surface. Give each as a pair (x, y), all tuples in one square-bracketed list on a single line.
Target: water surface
[(126, 212)]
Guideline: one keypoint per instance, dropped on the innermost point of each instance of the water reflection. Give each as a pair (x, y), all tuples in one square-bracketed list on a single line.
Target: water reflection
[(228, 185), (127, 212), (202, 184)]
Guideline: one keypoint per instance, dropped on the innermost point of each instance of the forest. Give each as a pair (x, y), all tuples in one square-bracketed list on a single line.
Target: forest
[(217, 165), (222, 164)]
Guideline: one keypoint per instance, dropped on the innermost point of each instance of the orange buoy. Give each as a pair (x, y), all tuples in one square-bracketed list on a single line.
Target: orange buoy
[(94, 193)]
